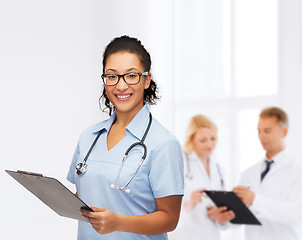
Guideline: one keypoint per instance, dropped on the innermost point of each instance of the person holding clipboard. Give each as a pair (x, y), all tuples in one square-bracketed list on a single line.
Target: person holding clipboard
[(200, 218), (272, 187), (128, 168)]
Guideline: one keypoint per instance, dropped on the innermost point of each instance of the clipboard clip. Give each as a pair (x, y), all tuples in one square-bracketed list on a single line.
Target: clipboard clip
[(215, 191), (29, 173)]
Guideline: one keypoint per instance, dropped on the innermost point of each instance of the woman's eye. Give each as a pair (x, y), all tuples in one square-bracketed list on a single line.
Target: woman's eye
[(131, 76), (111, 77)]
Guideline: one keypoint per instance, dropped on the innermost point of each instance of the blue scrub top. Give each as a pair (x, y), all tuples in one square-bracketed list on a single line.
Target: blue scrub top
[(160, 175)]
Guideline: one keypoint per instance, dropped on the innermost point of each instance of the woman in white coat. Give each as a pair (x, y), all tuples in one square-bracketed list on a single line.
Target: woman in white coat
[(200, 219)]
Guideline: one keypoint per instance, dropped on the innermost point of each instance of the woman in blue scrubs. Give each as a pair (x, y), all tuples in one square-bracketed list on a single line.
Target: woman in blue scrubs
[(136, 198)]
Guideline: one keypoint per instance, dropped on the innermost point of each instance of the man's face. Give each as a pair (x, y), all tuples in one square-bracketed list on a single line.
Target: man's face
[(271, 134)]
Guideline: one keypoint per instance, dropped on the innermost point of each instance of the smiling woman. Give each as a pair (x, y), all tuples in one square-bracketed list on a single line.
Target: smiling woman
[(128, 50), (126, 98), (126, 151)]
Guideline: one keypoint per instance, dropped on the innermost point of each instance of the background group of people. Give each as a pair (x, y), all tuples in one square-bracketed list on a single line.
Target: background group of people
[(271, 188)]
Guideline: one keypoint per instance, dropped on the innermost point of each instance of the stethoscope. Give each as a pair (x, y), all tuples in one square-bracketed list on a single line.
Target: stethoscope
[(189, 174), (81, 168)]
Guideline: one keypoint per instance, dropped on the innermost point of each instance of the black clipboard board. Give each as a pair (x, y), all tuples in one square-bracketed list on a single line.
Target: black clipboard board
[(229, 199), (51, 192)]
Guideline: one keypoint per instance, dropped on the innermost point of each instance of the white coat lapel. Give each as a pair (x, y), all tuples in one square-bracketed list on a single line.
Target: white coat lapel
[(280, 162)]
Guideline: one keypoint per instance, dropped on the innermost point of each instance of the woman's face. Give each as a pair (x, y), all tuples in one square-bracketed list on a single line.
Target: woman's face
[(126, 98), (204, 142)]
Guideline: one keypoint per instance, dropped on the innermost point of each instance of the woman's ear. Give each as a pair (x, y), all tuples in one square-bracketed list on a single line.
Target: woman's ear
[(147, 81)]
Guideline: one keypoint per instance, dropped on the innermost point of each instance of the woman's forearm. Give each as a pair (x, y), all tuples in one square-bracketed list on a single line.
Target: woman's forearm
[(164, 219), (149, 224)]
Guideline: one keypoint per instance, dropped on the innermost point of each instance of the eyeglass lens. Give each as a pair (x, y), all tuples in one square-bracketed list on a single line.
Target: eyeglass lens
[(129, 78)]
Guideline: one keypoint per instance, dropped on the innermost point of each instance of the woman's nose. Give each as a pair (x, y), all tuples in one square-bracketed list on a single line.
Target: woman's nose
[(122, 85)]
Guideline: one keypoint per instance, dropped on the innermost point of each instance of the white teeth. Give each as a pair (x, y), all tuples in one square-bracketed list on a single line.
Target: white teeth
[(123, 96)]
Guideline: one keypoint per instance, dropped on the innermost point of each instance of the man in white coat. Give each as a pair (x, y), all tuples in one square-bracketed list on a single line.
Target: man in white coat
[(272, 188)]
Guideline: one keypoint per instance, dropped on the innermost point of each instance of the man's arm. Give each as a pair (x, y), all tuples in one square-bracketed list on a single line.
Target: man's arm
[(287, 211)]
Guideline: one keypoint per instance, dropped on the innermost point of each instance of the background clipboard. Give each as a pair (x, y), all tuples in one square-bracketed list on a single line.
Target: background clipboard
[(51, 192), (229, 199)]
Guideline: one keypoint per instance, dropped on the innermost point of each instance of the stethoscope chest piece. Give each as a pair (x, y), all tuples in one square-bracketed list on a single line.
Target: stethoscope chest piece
[(189, 175), (81, 168)]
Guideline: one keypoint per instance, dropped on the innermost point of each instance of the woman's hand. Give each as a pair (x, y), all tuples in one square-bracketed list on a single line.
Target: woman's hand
[(196, 197), (102, 220), (220, 214), (164, 219)]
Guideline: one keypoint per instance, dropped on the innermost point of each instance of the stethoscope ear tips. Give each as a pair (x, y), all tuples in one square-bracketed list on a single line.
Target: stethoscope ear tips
[(125, 190)]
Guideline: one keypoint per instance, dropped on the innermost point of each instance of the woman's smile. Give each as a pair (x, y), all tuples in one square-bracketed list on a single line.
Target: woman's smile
[(123, 97)]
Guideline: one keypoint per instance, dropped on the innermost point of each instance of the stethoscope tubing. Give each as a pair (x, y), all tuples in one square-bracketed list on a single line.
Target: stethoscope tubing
[(81, 168), (141, 143)]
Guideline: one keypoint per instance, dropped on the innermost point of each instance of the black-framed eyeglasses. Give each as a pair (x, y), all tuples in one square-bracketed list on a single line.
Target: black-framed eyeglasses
[(129, 78)]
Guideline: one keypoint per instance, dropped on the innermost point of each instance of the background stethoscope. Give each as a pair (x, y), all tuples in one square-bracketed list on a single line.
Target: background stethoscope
[(189, 174), (81, 168)]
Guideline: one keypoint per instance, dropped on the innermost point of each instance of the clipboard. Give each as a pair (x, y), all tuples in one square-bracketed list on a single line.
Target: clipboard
[(229, 199), (51, 192)]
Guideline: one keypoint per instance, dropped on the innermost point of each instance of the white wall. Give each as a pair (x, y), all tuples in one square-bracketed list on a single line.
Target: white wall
[(290, 65), (49, 65), (50, 62)]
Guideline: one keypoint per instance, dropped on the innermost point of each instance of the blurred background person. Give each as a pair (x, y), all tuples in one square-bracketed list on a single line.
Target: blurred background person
[(200, 218), (272, 187)]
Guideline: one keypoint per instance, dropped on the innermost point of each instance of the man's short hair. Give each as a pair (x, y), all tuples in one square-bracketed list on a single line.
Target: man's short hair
[(281, 115)]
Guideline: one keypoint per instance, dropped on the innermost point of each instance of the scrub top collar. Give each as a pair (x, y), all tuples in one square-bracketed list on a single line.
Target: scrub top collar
[(136, 127), (106, 124)]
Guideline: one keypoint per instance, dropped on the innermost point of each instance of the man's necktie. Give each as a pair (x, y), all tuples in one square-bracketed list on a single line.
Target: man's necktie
[(268, 165)]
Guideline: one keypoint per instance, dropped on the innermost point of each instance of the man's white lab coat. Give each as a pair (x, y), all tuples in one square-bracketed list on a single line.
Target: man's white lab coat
[(278, 199)]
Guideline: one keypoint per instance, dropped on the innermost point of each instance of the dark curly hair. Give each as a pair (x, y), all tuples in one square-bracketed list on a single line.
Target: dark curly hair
[(131, 45)]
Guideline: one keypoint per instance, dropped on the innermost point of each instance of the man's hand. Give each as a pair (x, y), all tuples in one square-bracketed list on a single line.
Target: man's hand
[(245, 194)]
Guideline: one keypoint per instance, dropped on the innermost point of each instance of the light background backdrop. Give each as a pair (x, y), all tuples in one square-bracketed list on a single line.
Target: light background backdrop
[(226, 59)]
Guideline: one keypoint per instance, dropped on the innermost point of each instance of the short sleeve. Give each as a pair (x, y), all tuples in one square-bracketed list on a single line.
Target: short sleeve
[(187, 180), (71, 172), (166, 169)]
